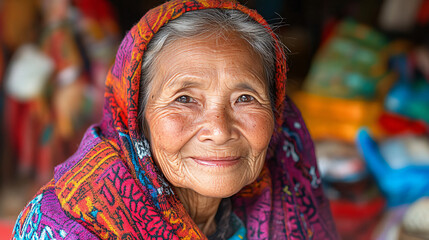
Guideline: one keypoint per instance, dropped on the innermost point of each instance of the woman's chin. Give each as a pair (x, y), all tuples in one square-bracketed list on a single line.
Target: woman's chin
[(217, 181), (217, 187)]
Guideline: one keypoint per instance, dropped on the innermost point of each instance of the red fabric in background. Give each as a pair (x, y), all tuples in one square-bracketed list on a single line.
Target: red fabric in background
[(6, 229), (395, 124), (14, 120), (423, 16), (97, 9), (357, 221)]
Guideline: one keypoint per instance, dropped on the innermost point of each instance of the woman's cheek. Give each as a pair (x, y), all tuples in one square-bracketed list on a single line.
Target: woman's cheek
[(171, 130), (167, 139), (258, 127)]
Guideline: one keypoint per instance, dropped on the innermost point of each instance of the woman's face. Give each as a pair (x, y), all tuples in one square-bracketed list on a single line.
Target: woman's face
[(209, 115)]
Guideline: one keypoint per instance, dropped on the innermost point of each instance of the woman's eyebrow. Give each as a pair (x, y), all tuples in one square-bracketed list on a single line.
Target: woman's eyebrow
[(247, 86)]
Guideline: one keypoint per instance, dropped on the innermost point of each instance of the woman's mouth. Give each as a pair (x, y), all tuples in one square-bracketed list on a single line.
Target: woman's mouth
[(217, 161)]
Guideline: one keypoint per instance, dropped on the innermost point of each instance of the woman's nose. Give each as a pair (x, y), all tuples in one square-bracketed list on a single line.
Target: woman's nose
[(218, 126)]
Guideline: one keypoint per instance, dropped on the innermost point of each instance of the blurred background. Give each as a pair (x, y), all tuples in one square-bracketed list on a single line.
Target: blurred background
[(359, 72)]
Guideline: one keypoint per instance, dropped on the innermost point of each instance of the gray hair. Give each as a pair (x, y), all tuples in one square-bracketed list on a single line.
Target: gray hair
[(210, 22)]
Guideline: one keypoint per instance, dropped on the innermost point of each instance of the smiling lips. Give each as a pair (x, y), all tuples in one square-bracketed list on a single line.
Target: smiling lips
[(217, 161)]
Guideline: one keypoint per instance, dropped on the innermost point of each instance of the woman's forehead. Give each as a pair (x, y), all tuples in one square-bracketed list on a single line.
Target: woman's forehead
[(208, 57)]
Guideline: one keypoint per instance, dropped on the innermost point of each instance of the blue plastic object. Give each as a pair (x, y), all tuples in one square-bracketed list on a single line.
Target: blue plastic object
[(399, 186)]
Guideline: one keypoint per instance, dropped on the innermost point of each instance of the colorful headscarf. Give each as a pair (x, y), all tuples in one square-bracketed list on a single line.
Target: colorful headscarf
[(111, 188)]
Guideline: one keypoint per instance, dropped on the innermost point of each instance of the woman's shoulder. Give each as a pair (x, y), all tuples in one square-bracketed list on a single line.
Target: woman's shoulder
[(48, 214), (43, 218)]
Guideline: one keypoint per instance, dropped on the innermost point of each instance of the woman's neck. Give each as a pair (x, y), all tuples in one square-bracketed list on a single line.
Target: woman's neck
[(202, 209)]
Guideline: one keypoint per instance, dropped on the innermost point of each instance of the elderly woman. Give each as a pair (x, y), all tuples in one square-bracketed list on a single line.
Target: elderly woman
[(197, 141)]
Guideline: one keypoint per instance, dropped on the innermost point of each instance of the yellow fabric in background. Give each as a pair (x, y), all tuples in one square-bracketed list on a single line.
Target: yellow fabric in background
[(328, 117)]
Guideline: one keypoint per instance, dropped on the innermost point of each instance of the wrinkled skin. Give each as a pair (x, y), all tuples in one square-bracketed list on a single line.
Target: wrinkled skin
[(210, 120)]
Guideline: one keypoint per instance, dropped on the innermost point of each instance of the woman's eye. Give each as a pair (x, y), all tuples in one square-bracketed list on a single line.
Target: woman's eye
[(185, 99), (245, 98)]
